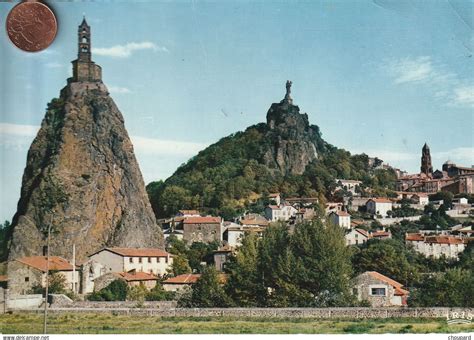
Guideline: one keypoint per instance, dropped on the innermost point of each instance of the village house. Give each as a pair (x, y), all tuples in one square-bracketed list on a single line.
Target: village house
[(132, 278), (281, 212), (274, 198), (204, 229), (254, 220), (119, 260), (333, 207), (341, 219), (381, 235), (233, 234), (420, 198), (349, 185), (28, 272), (185, 281), (356, 236), (221, 256), (304, 214), (436, 246), (379, 206), (379, 290)]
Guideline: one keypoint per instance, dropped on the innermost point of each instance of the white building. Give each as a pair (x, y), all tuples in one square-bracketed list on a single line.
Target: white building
[(149, 260), (420, 199), (356, 236), (341, 218), (436, 246), (379, 206), (279, 212), (349, 185)]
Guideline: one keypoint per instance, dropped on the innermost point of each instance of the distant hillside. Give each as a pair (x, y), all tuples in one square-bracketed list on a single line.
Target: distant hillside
[(286, 155)]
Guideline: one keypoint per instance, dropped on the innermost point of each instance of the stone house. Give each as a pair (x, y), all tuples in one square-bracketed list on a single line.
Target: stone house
[(184, 281), (356, 236), (253, 220), (379, 290), (27, 272), (420, 198), (379, 206), (437, 245), (233, 234), (221, 256), (149, 260), (341, 219), (381, 234), (132, 278), (281, 212), (202, 229)]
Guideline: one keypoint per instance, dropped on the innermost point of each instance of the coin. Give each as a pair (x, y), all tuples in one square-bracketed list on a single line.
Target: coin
[(31, 26)]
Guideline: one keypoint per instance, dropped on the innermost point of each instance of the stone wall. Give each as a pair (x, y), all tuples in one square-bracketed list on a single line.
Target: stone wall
[(316, 313), (111, 305), (202, 232), (22, 278), (393, 220)]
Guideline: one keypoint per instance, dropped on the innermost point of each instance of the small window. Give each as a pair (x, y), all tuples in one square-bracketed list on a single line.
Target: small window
[(355, 291), (27, 279), (378, 291), (166, 259), (139, 260), (130, 259), (149, 260)]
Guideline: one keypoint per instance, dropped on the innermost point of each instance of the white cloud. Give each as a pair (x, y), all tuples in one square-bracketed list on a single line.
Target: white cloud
[(18, 130), (411, 70), (444, 85), (18, 135), (118, 90), (125, 51), (464, 95), (165, 147)]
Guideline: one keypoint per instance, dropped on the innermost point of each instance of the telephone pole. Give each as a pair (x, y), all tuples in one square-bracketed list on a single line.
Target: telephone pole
[(47, 279)]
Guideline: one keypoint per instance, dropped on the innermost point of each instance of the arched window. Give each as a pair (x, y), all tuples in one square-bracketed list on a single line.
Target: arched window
[(84, 49), (85, 40)]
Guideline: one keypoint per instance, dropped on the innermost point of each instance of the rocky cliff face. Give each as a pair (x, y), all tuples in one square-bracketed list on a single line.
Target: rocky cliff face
[(83, 179), (293, 142)]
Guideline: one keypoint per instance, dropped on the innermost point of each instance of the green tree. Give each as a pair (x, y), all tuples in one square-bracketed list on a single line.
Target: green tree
[(388, 257), (180, 266), (453, 288), (324, 268), (116, 291), (158, 293), (207, 292), (245, 284)]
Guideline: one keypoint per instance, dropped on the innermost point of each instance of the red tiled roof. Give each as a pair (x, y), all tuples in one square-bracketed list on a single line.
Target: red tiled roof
[(137, 276), (183, 279), (398, 286), (3, 278), (443, 240), (191, 279), (380, 233), (137, 252), (40, 262), (202, 220), (362, 231), (380, 200), (341, 213), (414, 237), (254, 222)]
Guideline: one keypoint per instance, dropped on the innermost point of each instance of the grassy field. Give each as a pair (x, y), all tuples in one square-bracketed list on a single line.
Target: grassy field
[(108, 323)]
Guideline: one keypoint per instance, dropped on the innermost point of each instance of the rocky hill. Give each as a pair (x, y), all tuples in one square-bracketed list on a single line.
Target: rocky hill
[(286, 154), (81, 176)]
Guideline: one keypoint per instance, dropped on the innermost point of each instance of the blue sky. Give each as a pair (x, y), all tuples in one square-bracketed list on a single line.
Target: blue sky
[(380, 77)]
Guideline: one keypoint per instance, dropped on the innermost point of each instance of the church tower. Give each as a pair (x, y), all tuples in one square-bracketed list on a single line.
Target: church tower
[(426, 166), (83, 68), (84, 41)]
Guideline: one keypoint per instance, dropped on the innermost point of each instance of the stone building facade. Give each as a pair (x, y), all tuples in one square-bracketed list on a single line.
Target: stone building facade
[(84, 69), (379, 290), (202, 229)]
